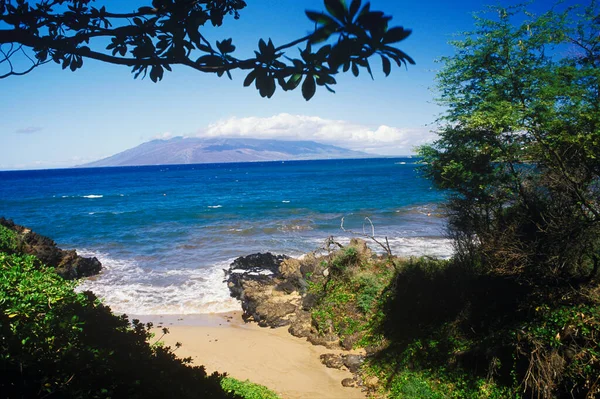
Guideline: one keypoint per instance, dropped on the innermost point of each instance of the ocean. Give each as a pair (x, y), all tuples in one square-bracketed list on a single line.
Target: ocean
[(164, 234)]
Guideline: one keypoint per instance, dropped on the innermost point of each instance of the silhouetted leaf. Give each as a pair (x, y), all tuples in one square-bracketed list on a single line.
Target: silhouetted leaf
[(396, 34), (294, 81), (309, 87), (387, 66), (250, 78), (337, 8), (354, 6), (320, 18), (156, 73)]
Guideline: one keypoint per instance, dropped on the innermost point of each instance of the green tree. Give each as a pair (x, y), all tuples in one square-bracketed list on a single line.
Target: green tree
[(519, 144), (152, 38)]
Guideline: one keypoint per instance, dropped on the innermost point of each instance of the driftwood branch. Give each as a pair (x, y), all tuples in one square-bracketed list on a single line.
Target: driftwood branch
[(385, 246)]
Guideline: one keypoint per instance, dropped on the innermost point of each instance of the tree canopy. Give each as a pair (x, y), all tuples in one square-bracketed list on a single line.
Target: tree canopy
[(153, 38), (519, 152), (519, 144)]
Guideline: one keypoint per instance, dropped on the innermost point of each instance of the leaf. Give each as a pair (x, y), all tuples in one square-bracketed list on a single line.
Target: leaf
[(294, 81), (337, 8), (321, 34), (146, 10), (354, 6), (386, 65), (250, 78), (354, 69), (309, 87), (396, 34), (156, 73), (320, 18), (262, 46)]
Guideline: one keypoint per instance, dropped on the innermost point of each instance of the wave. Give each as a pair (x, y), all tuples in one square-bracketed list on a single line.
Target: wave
[(215, 206), (92, 196), (127, 287), (438, 247)]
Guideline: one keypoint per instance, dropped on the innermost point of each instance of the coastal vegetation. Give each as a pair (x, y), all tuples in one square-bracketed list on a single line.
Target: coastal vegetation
[(516, 311), (57, 342)]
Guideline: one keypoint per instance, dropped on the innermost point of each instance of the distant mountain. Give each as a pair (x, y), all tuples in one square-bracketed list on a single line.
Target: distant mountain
[(180, 150)]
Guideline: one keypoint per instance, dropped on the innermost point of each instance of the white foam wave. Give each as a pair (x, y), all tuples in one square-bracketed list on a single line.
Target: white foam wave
[(129, 288), (215, 206), (285, 202), (92, 196), (437, 247)]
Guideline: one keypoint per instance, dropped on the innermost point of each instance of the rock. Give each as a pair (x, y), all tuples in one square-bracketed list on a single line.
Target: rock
[(73, 266), (289, 268), (353, 362), (325, 272), (287, 286), (371, 382), (349, 341), (68, 264), (332, 360), (255, 267), (349, 382), (309, 301)]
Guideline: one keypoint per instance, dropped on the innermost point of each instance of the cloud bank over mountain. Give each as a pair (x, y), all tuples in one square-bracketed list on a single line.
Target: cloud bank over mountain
[(384, 140)]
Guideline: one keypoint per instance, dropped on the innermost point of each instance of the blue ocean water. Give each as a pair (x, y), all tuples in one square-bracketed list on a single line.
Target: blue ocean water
[(164, 233)]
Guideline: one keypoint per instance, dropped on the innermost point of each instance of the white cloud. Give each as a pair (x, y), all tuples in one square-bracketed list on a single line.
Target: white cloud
[(384, 140), (163, 136)]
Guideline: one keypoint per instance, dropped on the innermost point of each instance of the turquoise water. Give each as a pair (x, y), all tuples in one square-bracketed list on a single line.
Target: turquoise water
[(164, 233)]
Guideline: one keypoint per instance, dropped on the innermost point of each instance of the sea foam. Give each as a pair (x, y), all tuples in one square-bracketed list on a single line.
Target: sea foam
[(127, 287)]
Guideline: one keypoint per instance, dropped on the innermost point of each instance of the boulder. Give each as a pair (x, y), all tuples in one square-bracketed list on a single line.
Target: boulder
[(332, 360), (68, 264)]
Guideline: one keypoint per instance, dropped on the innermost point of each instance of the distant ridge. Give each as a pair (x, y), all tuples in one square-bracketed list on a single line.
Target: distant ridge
[(180, 150)]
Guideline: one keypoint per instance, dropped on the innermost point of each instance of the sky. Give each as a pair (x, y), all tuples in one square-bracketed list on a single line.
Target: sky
[(52, 118)]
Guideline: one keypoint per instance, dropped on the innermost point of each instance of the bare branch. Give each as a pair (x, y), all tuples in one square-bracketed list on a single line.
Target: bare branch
[(386, 246)]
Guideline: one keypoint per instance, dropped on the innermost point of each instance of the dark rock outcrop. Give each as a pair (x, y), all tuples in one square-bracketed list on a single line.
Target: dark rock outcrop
[(272, 289), (350, 361), (68, 264)]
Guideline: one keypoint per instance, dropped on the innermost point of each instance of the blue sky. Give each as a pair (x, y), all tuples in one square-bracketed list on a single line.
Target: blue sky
[(54, 118)]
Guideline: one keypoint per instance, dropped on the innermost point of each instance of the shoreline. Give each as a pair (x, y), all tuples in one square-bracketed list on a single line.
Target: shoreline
[(271, 357)]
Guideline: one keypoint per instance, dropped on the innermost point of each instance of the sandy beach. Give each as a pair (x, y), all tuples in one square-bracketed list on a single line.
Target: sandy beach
[(287, 365)]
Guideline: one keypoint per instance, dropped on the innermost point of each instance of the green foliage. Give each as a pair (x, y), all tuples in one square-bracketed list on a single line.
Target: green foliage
[(350, 297), (247, 389), (518, 149), (152, 38), (519, 143), (8, 240), (566, 338), (54, 341)]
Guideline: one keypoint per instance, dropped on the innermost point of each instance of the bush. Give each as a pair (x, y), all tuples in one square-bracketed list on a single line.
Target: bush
[(8, 240), (54, 341), (247, 389)]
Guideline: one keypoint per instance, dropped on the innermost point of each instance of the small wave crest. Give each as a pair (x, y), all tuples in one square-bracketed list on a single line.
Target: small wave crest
[(92, 196), (127, 287), (215, 206), (437, 247)]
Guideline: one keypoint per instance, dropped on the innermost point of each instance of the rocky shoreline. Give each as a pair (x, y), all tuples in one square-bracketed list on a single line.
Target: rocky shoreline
[(274, 292), (67, 263)]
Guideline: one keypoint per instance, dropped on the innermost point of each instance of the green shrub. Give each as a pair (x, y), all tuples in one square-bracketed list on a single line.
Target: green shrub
[(8, 240), (247, 389), (56, 342)]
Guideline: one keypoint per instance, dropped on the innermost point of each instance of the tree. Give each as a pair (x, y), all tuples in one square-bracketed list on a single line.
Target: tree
[(164, 33), (519, 145)]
